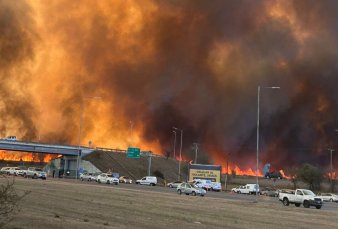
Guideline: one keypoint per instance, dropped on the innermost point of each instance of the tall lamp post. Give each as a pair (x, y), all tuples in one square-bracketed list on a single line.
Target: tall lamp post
[(80, 132), (227, 172), (131, 133), (257, 143), (331, 169), (196, 149), (174, 144), (179, 162)]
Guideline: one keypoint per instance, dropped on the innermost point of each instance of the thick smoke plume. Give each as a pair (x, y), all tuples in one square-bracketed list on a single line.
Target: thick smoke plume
[(195, 65)]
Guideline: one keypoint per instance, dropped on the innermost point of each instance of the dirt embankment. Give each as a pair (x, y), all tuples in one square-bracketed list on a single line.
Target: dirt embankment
[(136, 168)]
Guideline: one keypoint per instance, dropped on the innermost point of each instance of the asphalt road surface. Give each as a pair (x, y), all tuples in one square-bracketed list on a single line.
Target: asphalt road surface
[(210, 194)]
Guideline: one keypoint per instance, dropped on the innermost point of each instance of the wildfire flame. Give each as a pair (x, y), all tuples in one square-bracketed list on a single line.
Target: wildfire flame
[(238, 171), (284, 175), (25, 156)]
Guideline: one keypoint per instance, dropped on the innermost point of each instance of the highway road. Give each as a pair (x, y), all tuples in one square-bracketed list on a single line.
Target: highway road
[(210, 194)]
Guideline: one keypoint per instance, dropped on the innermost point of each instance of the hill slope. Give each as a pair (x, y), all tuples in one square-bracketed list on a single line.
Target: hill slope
[(136, 168)]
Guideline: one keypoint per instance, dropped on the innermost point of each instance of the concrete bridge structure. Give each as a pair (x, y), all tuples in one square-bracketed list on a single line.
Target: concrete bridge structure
[(68, 162), (35, 147)]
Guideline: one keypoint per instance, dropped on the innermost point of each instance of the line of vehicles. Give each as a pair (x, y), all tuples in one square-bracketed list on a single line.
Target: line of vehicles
[(200, 183), (297, 197), (197, 187), (113, 178), (9, 138), (31, 172)]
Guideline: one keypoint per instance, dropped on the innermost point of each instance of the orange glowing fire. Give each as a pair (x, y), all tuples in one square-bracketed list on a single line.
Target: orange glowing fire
[(284, 175), (25, 156), (238, 171)]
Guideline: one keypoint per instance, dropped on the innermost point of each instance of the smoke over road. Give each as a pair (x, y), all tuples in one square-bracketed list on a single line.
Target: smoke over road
[(158, 64)]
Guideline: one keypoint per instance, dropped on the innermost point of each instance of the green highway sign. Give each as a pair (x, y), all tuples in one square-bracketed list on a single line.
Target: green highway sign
[(133, 152)]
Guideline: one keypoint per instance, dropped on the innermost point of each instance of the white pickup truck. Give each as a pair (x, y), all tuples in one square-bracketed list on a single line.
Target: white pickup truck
[(300, 196)]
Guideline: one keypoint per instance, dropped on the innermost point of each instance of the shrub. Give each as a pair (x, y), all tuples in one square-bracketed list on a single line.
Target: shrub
[(9, 200), (311, 175), (158, 174)]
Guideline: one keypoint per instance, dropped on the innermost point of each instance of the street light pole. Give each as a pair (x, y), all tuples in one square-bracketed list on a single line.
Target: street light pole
[(179, 162), (227, 173), (80, 133), (257, 143), (331, 169), (174, 144), (196, 148), (131, 133)]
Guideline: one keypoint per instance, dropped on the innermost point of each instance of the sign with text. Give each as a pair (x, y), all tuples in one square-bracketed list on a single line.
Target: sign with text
[(133, 152), (207, 172)]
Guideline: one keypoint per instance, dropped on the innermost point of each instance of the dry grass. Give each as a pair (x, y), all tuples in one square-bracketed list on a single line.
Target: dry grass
[(58, 204)]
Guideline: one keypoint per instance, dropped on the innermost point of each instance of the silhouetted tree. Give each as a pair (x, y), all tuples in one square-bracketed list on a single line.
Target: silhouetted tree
[(9, 200), (311, 175), (292, 172)]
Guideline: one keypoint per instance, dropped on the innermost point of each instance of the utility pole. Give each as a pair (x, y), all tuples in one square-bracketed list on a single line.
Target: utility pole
[(149, 162), (257, 142), (179, 162), (174, 144), (131, 133), (331, 169), (227, 172), (196, 149)]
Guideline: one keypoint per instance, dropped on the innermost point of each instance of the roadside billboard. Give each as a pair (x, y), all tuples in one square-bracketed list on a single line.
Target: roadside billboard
[(207, 172)]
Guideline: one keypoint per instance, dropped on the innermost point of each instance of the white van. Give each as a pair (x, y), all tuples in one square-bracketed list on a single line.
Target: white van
[(201, 183), (148, 180), (248, 189)]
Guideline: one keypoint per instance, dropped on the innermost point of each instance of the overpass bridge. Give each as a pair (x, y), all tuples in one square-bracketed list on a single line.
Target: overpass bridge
[(34, 147)]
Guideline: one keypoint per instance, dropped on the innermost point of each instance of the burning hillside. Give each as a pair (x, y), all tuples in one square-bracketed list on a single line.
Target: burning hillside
[(195, 65)]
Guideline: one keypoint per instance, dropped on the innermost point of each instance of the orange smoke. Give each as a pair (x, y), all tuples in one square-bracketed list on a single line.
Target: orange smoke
[(27, 157), (159, 64)]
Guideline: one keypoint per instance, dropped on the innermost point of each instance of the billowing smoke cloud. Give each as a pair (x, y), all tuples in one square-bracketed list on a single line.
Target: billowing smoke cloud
[(195, 65), (17, 36)]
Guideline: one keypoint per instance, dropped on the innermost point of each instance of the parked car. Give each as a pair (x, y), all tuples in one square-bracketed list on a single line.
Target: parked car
[(174, 184), (107, 178), (94, 176), (86, 176), (236, 189), (5, 170), (301, 196), (216, 186), (205, 184), (190, 189), (9, 138), (268, 191), (14, 171), (275, 174), (249, 189), (329, 197), (23, 170), (35, 173), (148, 180), (126, 180)]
